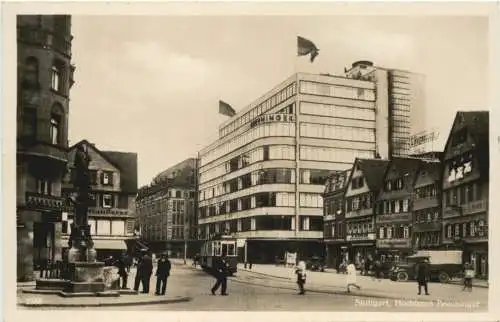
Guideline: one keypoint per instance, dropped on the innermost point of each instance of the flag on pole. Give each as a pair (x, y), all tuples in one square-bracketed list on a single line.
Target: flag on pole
[(306, 47), (226, 109)]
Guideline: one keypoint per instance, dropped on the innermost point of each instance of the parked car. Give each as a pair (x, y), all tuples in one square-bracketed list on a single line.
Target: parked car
[(444, 265), (316, 264)]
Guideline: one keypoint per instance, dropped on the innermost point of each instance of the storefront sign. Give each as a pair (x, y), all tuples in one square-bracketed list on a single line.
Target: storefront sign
[(269, 118), (370, 236), (394, 243)]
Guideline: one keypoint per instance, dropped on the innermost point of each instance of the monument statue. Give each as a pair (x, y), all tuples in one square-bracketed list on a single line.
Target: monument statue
[(80, 242)]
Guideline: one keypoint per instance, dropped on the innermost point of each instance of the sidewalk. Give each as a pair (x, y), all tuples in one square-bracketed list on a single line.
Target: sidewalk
[(325, 282), (54, 300)]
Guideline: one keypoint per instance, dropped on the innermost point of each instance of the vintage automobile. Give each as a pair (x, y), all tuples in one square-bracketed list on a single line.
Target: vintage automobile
[(444, 265), (316, 263)]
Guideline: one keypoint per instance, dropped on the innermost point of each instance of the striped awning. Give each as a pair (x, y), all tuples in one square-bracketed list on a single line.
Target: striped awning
[(110, 244)]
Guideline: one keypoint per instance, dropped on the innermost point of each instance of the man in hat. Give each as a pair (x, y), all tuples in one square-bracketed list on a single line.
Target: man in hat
[(146, 271), (162, 274), (422, 272), (221, 271)]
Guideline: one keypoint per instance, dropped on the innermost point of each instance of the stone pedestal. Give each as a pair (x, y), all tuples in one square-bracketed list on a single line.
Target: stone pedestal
[(86, 277)]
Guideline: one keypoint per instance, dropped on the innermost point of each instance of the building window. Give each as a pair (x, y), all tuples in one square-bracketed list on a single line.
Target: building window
[(405, 205), (107, 178), (252, 223), (389, 232), (457, 230), (472, 229), (464, 229), (31, 70), (448, 231), (56, 78), (406, 232), (305, 223), (54, 129), (107, 201), (44, 186)]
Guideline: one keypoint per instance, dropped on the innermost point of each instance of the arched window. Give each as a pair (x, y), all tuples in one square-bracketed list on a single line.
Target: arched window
[(57, 76), (31, 70), (55, 124)]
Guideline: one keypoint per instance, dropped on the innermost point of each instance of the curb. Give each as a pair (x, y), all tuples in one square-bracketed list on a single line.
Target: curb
[(166, 301)]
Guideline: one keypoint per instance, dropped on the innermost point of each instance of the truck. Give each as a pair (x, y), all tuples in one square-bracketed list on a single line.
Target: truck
[(444, 265)]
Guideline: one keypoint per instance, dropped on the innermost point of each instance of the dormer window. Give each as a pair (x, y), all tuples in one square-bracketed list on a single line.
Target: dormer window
[(107, 178)]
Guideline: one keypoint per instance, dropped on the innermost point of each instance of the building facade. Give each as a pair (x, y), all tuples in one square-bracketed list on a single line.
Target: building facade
[(111, 214), (45, 76), (394, 218), (167, 212), (363, 188), (466, 188), (334, 220), (400, 105), (427, 210)]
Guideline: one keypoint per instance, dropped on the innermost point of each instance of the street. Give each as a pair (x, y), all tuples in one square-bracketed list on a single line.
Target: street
[(250, 292)]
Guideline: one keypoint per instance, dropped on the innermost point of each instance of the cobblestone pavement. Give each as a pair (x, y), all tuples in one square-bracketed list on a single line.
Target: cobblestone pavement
[(253, 292)]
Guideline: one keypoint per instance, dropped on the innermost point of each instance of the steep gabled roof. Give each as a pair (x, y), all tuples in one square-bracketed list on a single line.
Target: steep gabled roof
[(405, 165), (127, 163), (373, 171), (432, 168)]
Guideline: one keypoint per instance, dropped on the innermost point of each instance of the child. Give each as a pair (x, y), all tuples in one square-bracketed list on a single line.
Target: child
[(301, 276)]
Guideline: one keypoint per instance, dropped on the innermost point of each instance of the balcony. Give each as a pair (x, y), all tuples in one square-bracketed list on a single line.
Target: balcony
[(475, 207), (466, 209), (394, 243), (394, 218), (39, 201)]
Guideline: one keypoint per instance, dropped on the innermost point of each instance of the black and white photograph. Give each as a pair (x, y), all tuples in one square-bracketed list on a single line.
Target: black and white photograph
[(251, 162)]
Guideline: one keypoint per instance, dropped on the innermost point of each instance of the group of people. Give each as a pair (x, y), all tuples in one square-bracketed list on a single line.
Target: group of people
[(145, 270)]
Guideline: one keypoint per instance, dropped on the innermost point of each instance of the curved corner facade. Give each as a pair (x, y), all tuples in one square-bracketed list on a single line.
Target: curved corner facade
[(45, 76), (263, 179)]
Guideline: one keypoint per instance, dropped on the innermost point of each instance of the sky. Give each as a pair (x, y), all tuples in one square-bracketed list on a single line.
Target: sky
[(151, 84)]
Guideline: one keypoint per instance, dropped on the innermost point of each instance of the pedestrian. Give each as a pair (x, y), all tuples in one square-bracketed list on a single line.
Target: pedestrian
[(468, 276), (162, 274), (139, 271), (422, 272), (221, 271), (377, 269), (300, 270), (121, 264), (351, 277), (147, 270)]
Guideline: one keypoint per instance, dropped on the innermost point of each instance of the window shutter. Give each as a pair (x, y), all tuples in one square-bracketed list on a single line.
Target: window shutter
[(102, 177)]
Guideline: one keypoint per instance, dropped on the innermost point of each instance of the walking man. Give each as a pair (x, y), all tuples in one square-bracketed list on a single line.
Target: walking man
[(147, 270), (301, 277), (162, 274), (468, 276), (138, 273), (351, 277), (221, 271), (422, 272)]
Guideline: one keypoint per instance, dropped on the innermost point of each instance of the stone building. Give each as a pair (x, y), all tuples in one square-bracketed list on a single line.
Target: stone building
[(113, 177), (166, 210), (44, 79)]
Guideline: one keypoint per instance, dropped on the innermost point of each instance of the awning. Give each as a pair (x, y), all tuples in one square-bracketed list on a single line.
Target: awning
[(110, 244)]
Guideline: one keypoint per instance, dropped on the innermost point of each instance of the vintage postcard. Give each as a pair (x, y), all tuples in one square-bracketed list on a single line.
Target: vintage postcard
[(302, 159)]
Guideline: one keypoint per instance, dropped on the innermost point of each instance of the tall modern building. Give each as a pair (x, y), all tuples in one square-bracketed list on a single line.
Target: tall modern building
[(113, 179), (400, 105), (44, 79), (263, 179), (166, 210)]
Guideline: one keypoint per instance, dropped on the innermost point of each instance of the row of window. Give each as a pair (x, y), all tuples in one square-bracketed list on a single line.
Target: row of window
[(262, 153), (30, 124), (426, 239), (337, 132), (311, 153), (259, 131), (338, 111), (263, 107), (307, 87), (389, 232), (262, 199), (427, 215), (333, 230), (428, 191), (360, 202), (103, 227), (360, 228), (466, 229), (459, 171), (463, 194), (268, 222)]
